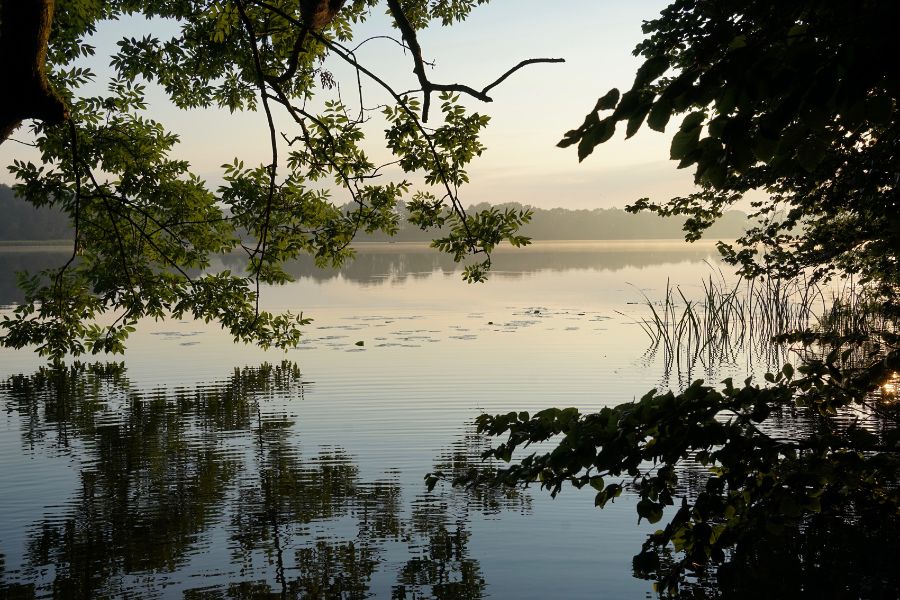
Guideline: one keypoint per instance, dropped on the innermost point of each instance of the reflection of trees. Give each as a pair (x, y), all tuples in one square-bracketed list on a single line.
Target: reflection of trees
[(464, 457), (13, 591), (14, 260), (152, 481), (161, 472), (846, 549), (858, 555), (396, 264), (57, 405), (375, 265), (284, 494), (441, 566)]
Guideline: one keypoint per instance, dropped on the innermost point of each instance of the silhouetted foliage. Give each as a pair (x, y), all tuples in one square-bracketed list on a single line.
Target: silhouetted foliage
[(798, 100)]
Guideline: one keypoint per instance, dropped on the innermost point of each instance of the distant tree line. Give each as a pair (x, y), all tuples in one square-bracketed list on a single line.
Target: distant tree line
[(22, 220), (616, 224), (588, 224)]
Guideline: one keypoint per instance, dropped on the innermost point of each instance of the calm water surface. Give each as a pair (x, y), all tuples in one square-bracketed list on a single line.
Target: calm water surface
[(197, 468)]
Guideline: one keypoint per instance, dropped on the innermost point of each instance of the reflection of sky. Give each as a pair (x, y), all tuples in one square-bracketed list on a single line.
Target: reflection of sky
[(146, 507), (550, 308), (530, 112), (527, 338), (436, 352)]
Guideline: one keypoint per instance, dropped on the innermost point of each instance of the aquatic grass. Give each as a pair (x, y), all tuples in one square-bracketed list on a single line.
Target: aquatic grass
[(752, 317), (854, 312), (748, 317)]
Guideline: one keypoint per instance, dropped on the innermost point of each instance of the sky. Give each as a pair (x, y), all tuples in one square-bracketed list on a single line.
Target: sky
[(531, 110)]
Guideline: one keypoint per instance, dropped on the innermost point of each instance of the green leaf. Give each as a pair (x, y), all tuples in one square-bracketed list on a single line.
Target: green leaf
[(595, 136), (693, 121), (636, 120), (608, 101), (652, 69), (765, 148), (716, 175), (683, 143), (572, 137), (739, 41), (659, 115), (652, 511), (811, 154)]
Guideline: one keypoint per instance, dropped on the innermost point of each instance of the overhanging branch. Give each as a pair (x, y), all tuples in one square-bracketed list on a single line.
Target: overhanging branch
[(428, 87)]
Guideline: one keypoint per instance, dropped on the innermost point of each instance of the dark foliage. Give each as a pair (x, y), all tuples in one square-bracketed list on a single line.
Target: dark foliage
[(797, 99)]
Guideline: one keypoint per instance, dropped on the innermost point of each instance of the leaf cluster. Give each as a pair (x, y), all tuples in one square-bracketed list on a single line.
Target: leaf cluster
[(146, 225), (794, 99), (758, 479)]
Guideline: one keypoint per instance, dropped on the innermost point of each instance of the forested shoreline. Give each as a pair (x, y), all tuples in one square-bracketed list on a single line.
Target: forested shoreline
[(587, 224), (23, 221)]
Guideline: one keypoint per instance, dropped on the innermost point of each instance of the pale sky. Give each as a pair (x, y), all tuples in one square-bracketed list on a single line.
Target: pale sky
[(530, 112)]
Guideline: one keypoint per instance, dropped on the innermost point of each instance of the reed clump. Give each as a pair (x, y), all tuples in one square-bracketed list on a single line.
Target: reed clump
[(750, 318)]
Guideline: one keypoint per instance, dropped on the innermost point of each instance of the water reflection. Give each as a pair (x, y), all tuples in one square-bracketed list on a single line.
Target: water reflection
[(31, 259), (845, 555), (397, 263), (207, 492)]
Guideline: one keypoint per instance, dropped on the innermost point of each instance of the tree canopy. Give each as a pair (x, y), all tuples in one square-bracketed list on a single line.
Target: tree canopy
[(798, 100), (144, 221)]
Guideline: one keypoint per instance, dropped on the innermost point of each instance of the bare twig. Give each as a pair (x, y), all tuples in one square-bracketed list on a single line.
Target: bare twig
[(412, 41), (524, 63), (380, 37), (348, 56)]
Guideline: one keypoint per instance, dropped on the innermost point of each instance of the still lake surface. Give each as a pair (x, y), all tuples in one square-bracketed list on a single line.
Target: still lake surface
[(198, 468)]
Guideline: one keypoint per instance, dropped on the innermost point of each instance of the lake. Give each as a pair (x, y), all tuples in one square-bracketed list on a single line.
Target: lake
[(196, 468)]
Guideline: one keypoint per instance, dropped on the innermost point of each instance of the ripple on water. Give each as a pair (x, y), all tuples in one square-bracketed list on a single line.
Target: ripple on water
[(201, 481)]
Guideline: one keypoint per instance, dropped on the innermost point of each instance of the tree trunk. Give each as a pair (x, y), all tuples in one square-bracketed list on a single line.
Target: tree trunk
[(319, 13), (24, 31)]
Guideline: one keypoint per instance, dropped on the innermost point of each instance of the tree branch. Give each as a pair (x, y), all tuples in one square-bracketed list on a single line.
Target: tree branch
[(273, 139), (412, 41)]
